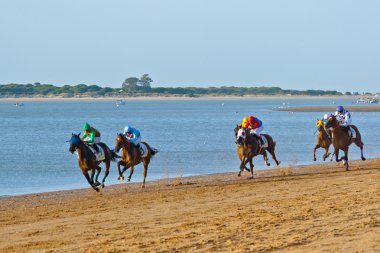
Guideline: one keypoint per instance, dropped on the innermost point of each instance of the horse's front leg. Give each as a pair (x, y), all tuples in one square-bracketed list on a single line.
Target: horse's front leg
[(118, 168), (251, 166), (131, 173), (326, 154), (92, 176), (146, 163), (242, 165), (85, 173), (336, 151), (98, 169), (315, 149), (345, 161)]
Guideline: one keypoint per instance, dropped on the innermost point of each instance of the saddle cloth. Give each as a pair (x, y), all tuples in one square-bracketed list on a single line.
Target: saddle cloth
[(265, 141), (143, 149), (352, 132), (100, 156)]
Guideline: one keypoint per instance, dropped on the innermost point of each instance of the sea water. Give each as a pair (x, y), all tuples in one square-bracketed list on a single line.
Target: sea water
[(194, 137)]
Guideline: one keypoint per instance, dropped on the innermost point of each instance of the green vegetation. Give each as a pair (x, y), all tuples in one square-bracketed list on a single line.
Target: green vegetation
[(134, 86)]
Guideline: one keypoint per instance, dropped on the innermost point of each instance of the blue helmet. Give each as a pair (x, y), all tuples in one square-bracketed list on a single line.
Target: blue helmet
[(127, 129), (340, 109)]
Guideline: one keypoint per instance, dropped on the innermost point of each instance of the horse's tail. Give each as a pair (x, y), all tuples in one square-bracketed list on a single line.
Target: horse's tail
[(153, 151), (114, 155)]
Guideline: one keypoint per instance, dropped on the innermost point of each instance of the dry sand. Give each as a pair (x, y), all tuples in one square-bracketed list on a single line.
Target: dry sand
[(367, 108), (302, 209)]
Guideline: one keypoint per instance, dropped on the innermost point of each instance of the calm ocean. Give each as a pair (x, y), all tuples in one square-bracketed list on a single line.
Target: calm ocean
[(193, 138)]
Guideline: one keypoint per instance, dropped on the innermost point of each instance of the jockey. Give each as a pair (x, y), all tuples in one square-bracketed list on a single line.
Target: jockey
[(91, 136), (244, 123), (343, 116), (133, 135), (325, 119), (257, 126)]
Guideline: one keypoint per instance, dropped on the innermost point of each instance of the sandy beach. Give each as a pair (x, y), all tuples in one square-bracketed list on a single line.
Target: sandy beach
[(368, 108), (301, 209)]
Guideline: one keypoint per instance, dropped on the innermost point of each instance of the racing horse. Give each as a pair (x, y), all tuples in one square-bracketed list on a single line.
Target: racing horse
[(131, 157), (248, 147), (323, 140), (88, 162), (342, 140)]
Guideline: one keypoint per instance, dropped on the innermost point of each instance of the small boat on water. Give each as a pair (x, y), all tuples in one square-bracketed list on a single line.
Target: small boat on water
[(119, 102), (367, 100), (18, 104)]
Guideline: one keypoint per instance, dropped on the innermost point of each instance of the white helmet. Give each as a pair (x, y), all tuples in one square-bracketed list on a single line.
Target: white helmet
[(127, 129), (326, 117)]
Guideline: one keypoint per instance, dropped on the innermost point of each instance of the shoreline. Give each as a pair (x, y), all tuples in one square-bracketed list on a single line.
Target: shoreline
[(358, 108), (300, 209), (168, 98)]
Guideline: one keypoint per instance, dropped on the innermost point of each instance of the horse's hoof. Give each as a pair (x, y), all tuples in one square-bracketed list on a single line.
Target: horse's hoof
[(129, 180), (363, 159), (95, 188), (102, 185), (120, 178), (97, 183), (314, 159), (268, 164), (143, 186)]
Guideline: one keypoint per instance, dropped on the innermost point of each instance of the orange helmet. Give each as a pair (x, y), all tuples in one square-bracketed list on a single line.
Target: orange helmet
[(251, 119)]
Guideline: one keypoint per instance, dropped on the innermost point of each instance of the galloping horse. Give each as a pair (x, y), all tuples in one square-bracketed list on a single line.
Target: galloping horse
[(131, 157), (248, 147), (323, 140), (342, 140), (87, 160)]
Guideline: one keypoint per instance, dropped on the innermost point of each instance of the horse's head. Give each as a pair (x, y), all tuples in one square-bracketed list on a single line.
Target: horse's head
[(75, 142), (240, 136), (120, 140), (320, 124), (331, 122)]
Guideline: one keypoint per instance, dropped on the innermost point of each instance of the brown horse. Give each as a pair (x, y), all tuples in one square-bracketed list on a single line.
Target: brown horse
[(131, 157), (87, 160), (248, 147), (342, 140), (323, 140)]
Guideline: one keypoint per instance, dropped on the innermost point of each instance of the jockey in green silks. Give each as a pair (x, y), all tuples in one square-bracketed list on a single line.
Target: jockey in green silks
[(91, 136)]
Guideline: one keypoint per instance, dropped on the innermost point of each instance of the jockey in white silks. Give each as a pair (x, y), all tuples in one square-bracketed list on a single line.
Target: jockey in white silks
[(343, 116)]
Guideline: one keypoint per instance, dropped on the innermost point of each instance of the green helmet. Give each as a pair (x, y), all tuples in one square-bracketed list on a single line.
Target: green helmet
[(86, 127)]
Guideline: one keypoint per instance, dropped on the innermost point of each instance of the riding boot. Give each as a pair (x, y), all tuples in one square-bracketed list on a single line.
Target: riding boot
[(95, 147)]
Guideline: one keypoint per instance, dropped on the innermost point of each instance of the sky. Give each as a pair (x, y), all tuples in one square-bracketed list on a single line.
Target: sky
[(293, 44)]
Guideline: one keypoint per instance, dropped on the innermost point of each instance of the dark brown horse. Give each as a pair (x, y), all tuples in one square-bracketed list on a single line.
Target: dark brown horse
[(131, 157), (248, 147), (342, 140), (323, 140), (87, 160)]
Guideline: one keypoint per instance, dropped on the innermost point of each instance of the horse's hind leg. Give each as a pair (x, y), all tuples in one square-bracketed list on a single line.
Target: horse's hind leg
[(360, 144), (273, 154), (146, 163), (265, 156), (315, 149), (85, 174), (106, 172)]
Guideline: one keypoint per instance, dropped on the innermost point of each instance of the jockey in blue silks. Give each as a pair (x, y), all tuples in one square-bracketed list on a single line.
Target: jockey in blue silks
[(133, 135)]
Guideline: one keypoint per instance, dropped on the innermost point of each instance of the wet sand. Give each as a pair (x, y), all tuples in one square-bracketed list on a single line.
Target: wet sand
[(301, 209), (368, 108)]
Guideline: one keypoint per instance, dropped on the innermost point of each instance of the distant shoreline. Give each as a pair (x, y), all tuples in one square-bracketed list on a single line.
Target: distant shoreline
[(359, 108), (175, 98)]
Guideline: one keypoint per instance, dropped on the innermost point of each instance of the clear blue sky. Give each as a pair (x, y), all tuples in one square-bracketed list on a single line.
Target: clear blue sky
[(294, 44)]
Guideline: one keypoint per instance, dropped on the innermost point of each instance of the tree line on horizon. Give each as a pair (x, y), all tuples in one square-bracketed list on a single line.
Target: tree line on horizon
[(133, 86)]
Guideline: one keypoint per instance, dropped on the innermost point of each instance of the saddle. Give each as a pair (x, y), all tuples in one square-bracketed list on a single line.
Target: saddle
[(350, 131)]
